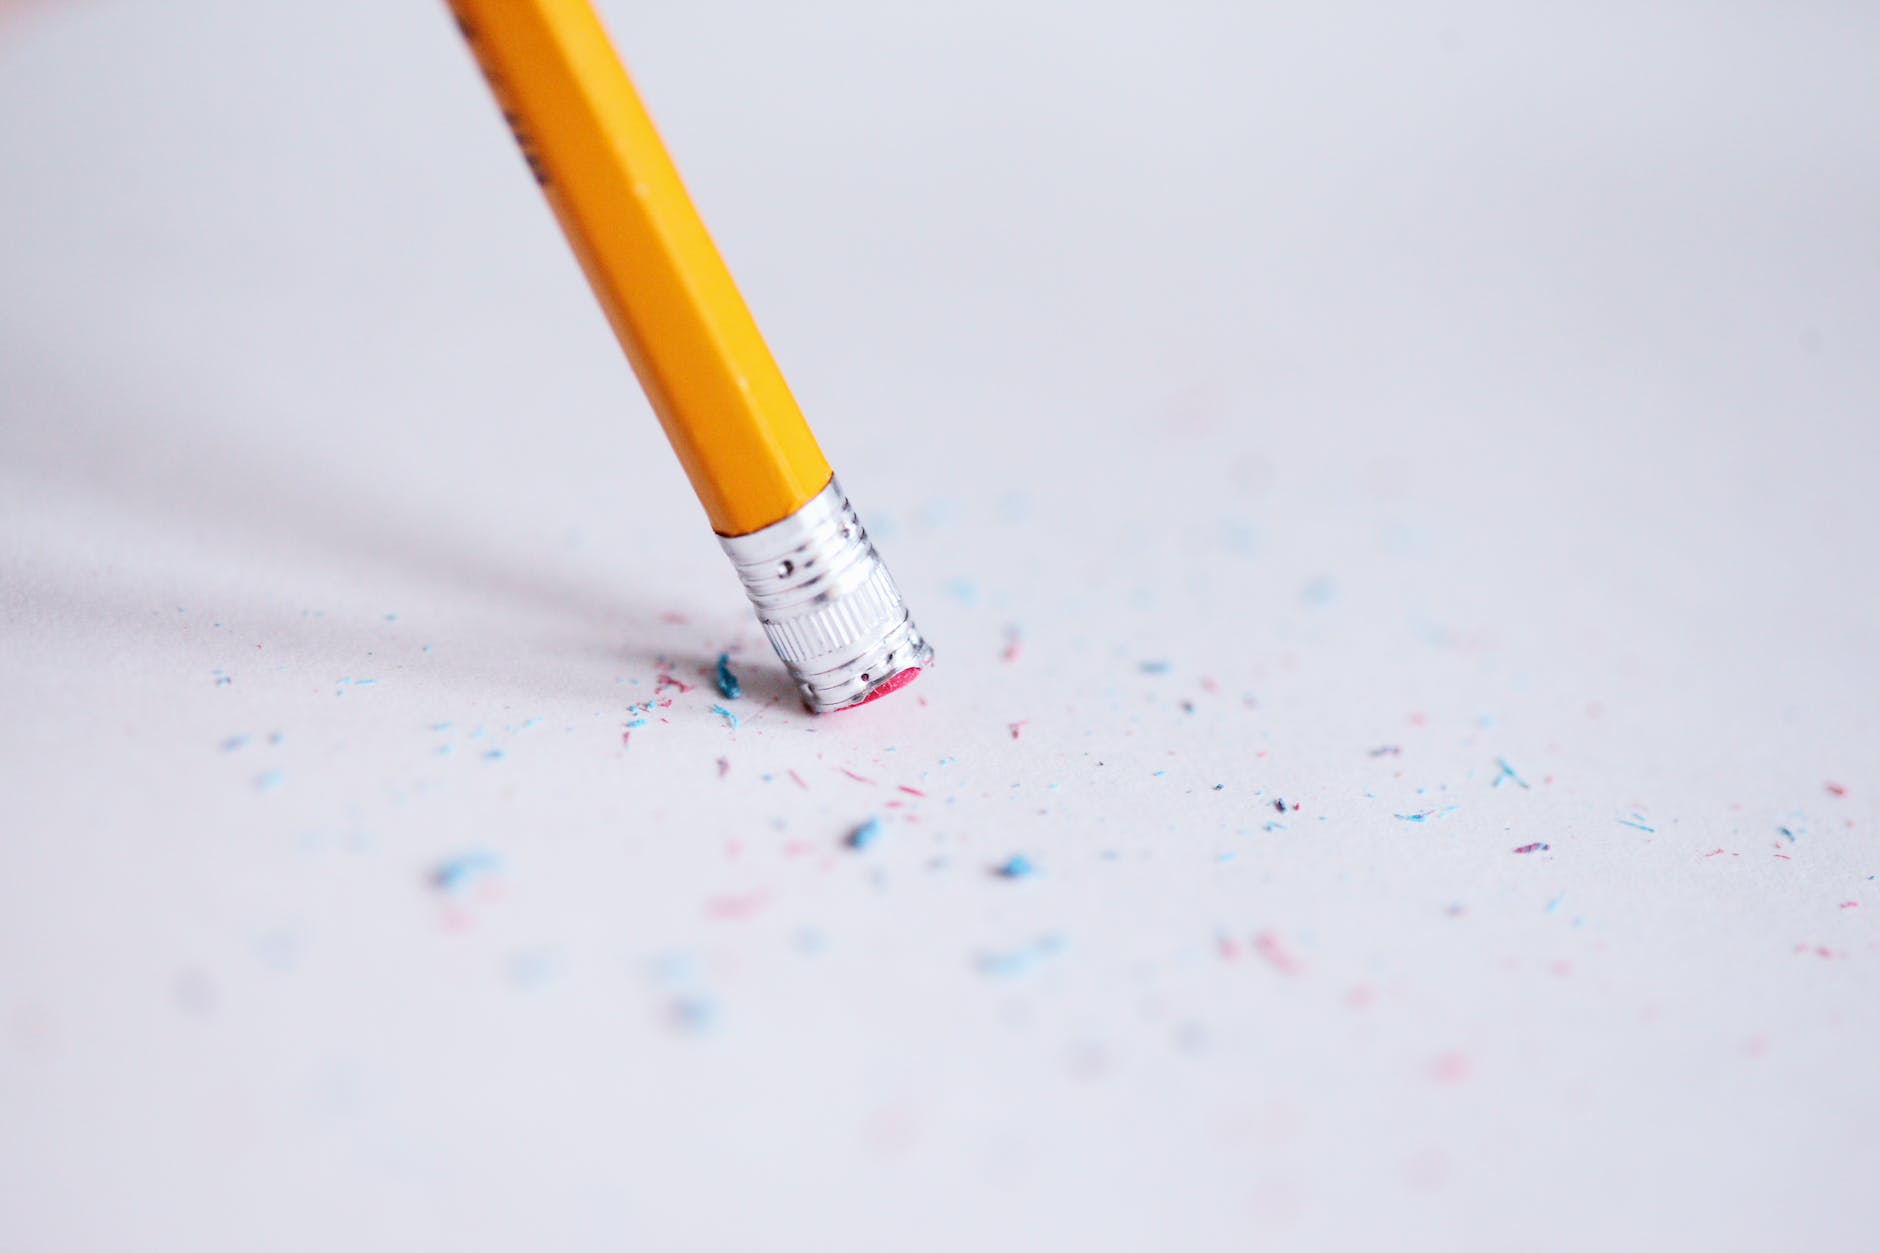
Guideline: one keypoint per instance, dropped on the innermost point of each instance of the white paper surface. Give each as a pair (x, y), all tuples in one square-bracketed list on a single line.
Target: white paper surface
[(1319, 407)]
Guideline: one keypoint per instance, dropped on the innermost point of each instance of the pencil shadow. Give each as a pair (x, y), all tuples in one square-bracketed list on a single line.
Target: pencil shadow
[(572, 636)]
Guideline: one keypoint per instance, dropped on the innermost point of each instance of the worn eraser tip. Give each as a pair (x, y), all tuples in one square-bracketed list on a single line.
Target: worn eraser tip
[(893, 683)]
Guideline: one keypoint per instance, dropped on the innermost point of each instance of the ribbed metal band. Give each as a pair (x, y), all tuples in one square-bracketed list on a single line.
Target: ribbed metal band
[(827, 602)]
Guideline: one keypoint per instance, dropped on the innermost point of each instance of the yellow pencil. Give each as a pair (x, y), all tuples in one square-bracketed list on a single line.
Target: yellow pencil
[(822, 593)]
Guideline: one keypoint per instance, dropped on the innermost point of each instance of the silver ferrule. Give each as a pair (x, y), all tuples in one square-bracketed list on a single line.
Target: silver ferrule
[(828, 603)]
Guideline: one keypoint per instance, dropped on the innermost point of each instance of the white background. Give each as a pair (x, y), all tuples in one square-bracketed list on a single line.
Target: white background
[(1475, 381)]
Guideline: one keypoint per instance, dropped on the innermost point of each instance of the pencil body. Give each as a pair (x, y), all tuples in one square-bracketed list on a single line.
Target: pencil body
[(694, 345), (821, 592)]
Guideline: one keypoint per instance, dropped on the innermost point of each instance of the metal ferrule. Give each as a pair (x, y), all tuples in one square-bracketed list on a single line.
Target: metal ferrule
[(827, 602)]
